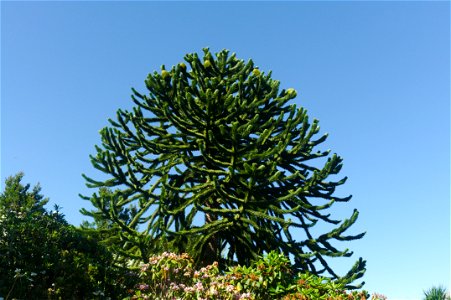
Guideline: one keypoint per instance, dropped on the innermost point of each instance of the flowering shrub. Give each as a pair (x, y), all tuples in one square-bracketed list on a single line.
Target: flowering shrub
[(172, 276)]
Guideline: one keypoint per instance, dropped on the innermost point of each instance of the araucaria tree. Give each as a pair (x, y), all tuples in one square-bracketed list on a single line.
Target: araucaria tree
[(215, 161)]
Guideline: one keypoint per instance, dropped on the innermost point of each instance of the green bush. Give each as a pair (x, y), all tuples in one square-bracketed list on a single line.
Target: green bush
[(43, 257), (436, 293), (172, 276)]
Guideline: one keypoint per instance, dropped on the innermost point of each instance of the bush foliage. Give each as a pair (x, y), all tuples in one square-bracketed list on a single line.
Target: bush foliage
[(43, 257), (437, 293), (172, 276)]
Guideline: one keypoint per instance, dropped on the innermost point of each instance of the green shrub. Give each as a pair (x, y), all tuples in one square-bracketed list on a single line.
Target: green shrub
[(43, 257), (436, 293), (172, 276)]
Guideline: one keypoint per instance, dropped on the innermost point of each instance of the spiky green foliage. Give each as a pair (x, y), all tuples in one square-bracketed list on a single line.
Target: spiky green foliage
[(436, 293), (215, 161)]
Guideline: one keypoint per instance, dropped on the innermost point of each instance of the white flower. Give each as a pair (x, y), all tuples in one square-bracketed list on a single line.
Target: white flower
[(230, 288)]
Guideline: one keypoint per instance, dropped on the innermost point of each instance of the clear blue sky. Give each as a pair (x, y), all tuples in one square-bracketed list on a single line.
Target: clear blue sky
[(376, 75)]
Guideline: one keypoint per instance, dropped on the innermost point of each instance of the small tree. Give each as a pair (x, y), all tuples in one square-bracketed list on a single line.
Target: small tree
[(216, 162)]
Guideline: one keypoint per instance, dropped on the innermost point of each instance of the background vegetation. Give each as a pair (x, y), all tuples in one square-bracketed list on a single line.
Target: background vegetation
[(42, 256)]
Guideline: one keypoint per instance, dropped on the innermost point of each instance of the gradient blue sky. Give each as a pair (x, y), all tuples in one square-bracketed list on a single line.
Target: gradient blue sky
[(376, 75)]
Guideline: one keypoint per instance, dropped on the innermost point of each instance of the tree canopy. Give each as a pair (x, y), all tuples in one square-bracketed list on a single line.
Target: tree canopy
[(215, 160)]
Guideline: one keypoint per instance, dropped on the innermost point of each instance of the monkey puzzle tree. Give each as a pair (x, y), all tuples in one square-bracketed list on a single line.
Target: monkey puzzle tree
[(214, 160)]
